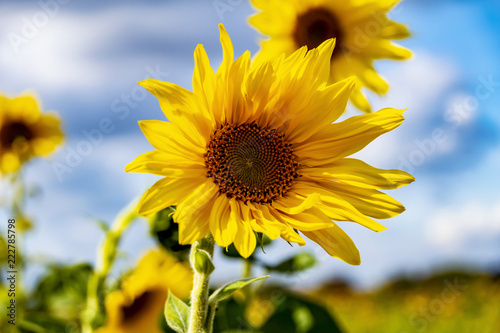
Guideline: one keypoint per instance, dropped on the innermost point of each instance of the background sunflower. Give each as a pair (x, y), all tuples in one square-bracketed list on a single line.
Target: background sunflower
[(362, 30), (25, 132)]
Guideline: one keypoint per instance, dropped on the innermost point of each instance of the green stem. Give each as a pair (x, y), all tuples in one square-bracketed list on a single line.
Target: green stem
[(248, 268), (211, 316), (199, 294), (106, 257), (246, 274)]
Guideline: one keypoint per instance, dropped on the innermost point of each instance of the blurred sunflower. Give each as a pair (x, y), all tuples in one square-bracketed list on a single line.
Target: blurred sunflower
[(138, 305), (25, 132), (361, 28), (253, 149)]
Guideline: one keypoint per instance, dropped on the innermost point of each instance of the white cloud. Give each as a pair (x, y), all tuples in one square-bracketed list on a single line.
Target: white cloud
[(65, 51), (416, 85), (452, 228)]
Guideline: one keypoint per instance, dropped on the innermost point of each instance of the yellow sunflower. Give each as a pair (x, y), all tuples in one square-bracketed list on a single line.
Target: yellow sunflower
[(138, 306), (253, 149), (362, 30), (25, 132)]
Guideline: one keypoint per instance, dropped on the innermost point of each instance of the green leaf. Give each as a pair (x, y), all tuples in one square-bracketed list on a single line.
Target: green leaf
[(231, 316), (176, 314), (202, 262), (296, 314), (303, 318), (298, 263), (227, 290), (102, 225)]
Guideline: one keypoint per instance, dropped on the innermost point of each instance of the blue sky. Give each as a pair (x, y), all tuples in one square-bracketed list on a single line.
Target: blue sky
[(85, 58)]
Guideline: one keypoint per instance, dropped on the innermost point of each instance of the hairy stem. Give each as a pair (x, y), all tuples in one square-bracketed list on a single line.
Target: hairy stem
[(199, 294), (211, 317)]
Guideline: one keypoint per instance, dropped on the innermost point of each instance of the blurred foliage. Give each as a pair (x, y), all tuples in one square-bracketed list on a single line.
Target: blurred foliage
[(166, 232), (274, 310), (443, 303), (62, 290), (295, 264), (55, 302)]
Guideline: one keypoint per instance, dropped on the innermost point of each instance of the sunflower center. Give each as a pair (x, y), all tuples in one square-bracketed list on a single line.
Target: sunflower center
[(315, 26), (11, 131), (250, 163), (139, 304)]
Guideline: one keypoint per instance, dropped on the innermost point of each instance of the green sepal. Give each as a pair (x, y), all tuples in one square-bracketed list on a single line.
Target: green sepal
[(202, 262)]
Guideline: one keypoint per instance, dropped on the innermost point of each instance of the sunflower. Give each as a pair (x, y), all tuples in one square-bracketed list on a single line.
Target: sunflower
[(362, 30), (138, 305), (25, 132), (253, 149)]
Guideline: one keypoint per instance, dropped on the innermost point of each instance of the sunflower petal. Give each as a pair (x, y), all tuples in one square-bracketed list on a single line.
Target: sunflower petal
[(245, 240), (311, 219), (368, 201), (164, 193), (336, 243), (178, 105), (169, 138), (358, 173), (203, 79), (223, 221), (191, 213), (342, 139), (165, 164)]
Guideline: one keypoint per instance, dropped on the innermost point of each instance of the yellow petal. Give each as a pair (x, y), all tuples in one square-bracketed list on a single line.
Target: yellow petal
[(359, 100), (180, 107), (395, 30), (164, 193), (292, 204), (339, 140), (384, 48), (203, 79), (358, 173), (368, 201), (292, 236), (227, 50), (223, 221), (195, 201), (263, 221), (245, 240), (234, 102), (162, 163), (335, 206), (311, 219), (169, 138), (328, 105), (336, 243), (192, 213)]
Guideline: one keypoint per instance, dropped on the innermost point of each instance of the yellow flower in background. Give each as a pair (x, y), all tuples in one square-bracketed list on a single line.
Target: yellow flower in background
[(362, 30), (25, 132), (253, 149), (138, 305)]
